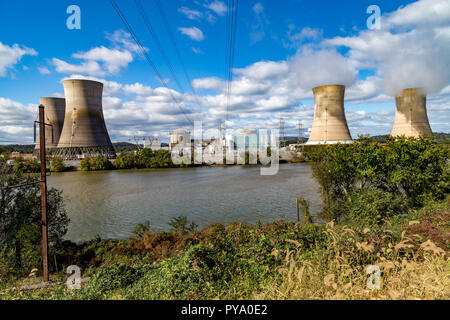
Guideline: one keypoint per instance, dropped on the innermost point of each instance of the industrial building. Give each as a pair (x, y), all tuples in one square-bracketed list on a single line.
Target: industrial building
[(411, 118), (329, 125), (179, 137), (55, 109), (84, 133)]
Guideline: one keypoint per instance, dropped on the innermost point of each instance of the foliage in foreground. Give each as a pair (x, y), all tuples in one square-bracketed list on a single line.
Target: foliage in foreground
[(273, 261), (367, 181)]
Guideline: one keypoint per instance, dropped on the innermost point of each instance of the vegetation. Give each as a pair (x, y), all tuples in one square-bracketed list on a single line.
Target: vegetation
[(26, 165), (280, 260), (389, 207), (57, 165), (96, 164), (145, 158), (20, 222), (369, 181)]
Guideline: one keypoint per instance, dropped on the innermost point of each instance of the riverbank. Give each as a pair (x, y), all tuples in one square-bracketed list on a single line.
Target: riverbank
[(279, 260)]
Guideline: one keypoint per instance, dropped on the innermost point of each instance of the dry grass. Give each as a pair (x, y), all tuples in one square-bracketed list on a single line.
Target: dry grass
[(338, 269)]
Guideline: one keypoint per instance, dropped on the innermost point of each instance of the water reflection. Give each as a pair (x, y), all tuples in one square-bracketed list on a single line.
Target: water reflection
[(110, 204)]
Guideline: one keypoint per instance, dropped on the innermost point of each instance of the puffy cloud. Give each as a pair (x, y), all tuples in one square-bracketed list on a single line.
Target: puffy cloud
[(219, 7), (102, 61), (410, 50), (88, 67), (193, 32), (11, 55)]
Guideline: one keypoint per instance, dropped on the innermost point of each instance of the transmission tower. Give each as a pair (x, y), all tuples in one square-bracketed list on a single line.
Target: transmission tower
[(300, 132), (282, 138)]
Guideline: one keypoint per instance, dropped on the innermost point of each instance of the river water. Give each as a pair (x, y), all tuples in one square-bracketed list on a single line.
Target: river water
[(110, 204)]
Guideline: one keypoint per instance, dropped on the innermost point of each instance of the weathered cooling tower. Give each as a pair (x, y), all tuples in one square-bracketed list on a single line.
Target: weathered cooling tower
[(329, 125), (411, 118), (54, 110), (84, 133)]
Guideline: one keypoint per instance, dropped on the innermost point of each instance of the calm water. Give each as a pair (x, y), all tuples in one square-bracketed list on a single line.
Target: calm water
[(110, 204)]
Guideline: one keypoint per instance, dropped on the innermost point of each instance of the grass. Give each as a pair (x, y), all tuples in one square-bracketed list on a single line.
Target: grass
[(280, 260)]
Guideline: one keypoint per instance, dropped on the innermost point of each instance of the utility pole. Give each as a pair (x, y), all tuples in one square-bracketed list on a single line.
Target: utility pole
[(43, 182), (43, 193)]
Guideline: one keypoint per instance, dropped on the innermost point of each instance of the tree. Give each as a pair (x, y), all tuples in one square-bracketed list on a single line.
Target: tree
[(20, 221), (57, 165)]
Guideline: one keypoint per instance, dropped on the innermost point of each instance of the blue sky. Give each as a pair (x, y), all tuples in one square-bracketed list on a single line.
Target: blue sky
[(283, 49)]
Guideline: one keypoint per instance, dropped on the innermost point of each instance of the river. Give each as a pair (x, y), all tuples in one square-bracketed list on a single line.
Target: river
[(109, 204)]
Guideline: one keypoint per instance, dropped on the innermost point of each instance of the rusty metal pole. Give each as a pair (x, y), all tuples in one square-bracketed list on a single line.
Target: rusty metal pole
[(43, 193)]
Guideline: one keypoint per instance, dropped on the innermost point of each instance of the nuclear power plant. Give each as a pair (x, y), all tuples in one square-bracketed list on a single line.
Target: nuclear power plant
[(411, 118), (55, 109), (84, 132), (329, 124)]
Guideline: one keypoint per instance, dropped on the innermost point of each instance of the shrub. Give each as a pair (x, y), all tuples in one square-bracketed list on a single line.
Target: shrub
[(97, 163), (57, 165)]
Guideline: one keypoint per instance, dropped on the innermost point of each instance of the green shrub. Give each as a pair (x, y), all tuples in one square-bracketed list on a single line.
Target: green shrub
[(97, 163), (57, 165)]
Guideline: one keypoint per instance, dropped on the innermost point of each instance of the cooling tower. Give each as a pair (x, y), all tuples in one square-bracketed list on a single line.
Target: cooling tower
[(329, 125), (84, 133), (411, 118), (54, 110)]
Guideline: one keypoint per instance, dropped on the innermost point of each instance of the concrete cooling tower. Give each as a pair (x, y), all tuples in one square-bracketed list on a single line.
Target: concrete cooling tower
[(411, 118), (84, 133), (329, 125), (54, 110)]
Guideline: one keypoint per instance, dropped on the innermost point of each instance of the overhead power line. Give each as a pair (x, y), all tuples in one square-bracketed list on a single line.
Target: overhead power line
[(175, 46), (231, 44), (158, 43), (146, 56)]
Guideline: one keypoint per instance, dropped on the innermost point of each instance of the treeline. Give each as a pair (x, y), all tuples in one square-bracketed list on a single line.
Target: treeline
[(145, 158), (367, 182)]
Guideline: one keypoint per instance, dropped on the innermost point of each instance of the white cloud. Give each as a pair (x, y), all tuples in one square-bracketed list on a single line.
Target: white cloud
[(11, 55), (410, 50), (44, 70), (88, 67), (101, 61), (219, 7), (113, 59), (194, 33), (190, 13)]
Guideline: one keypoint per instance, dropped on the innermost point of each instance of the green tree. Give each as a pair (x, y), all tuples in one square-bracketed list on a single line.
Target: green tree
[(20, 221), (57, 165)]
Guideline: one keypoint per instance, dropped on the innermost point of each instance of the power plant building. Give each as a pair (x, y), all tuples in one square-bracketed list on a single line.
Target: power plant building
[(54, 111), (84, 133), (330, 124), (411, 118)]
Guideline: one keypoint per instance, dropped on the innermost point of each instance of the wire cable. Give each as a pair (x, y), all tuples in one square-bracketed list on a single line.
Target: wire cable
[(146, 56)]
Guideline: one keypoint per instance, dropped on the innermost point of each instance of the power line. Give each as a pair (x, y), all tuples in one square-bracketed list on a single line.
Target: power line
[(231, 42), (177, 50), (144, 53), (158, 43)]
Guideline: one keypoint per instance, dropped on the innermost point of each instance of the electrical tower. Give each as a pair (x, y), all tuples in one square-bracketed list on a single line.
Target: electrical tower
[(282, 138), (300, 132)]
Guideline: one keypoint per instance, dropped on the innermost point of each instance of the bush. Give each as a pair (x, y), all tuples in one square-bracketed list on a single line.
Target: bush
[(415, 169), (20, 223), (97, 163), (367, 207), (57, 165)]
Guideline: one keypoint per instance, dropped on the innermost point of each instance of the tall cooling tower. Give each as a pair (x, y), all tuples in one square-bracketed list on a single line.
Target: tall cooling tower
[(411, 118), (84, 132), (329, 125), (54, 110)]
